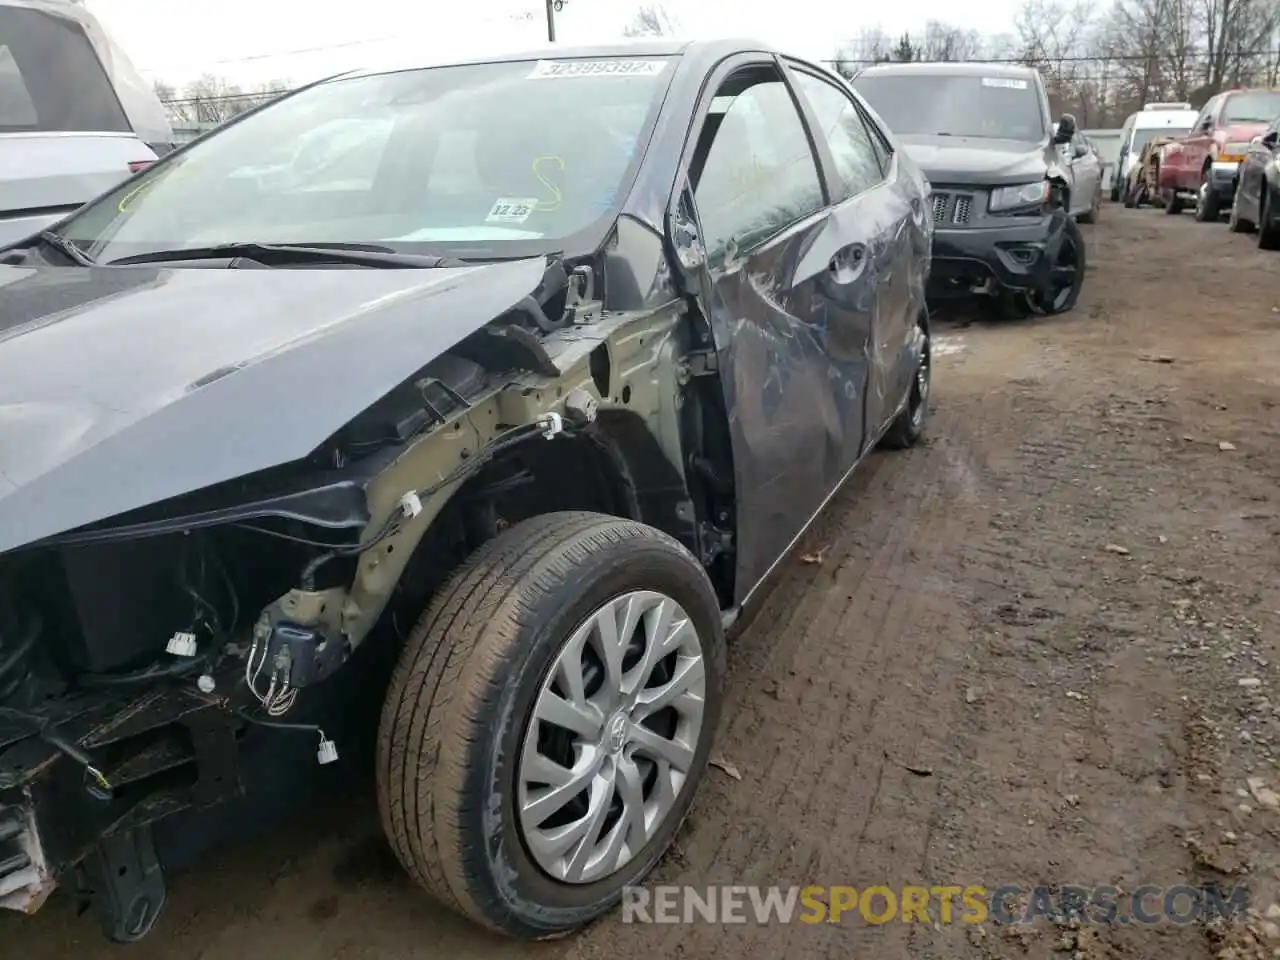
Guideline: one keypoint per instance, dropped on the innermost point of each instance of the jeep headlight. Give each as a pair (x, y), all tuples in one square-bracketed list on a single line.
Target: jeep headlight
[(1019, 195)]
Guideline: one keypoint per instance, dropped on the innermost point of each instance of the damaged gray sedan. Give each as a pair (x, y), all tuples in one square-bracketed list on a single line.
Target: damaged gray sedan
[(434, 426)]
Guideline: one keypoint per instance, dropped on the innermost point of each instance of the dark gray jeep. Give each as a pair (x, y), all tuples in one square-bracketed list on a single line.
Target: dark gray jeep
[(1001, 193)]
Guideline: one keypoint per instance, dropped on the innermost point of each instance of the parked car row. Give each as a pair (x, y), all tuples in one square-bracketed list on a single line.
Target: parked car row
[(1143, 131), (1225, 162), (404, 347)]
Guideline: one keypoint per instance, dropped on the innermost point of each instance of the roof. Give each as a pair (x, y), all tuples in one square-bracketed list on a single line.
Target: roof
[(557, 51), (949, 68)]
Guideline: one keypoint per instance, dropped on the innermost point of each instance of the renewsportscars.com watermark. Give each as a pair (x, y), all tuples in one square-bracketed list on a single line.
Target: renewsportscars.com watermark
[(1005, 904)]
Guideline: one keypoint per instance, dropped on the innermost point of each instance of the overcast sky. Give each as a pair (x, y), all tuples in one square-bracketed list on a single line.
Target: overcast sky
[(253, 41)]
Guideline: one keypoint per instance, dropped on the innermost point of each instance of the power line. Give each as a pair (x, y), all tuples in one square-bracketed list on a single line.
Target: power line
[(1019, 61), (1097, 58), (524, 16)]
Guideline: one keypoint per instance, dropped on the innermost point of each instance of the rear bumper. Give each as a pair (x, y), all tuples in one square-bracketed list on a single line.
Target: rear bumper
[(1012, 256)]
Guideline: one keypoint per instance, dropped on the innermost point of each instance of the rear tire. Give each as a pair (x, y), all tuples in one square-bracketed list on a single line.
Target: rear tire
[(458, 802), (907, 429), (1172, 202)]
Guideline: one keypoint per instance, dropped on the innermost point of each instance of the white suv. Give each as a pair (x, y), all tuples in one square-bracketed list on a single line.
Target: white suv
[(75, 116)]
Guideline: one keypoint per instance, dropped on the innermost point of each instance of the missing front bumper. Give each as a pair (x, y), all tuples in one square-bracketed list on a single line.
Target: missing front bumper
[(986, 260), (161, 751)]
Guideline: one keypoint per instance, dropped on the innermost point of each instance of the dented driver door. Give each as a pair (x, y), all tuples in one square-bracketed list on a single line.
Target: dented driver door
[(790, 294)]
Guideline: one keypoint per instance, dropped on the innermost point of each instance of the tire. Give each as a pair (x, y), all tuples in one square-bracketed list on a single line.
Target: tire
[(450, 747), (1115, 190), (908, 427), (1208, 209), (1172, 203), (1268, 221), (1235, 222), (1131, 197), (1065, 300), (1090, 216)]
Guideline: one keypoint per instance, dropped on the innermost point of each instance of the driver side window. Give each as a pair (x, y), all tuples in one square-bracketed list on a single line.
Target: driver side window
[(753, 171), (1205, 123)]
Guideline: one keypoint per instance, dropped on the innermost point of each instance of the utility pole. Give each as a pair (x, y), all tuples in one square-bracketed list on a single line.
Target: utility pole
[(553, 7)]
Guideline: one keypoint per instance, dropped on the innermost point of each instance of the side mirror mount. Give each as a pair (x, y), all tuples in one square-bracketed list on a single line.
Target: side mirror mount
[(685, 239), (1066, 129)]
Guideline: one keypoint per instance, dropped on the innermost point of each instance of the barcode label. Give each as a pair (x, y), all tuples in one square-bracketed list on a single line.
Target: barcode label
[(564, 69)]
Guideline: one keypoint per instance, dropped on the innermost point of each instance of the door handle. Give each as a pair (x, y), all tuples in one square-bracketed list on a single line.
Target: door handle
[(846, 266), (850, 258)]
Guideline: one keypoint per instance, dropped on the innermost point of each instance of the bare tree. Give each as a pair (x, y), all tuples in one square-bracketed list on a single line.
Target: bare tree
[(650, 20), (871, 45), (1102, 64), (945, 41), (1055, 36), (212, 99)]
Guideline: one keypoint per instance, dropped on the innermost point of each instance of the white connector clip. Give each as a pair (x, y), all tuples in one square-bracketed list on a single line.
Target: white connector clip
[(182, 645), (410, 505), (551, 424), (328, 751)]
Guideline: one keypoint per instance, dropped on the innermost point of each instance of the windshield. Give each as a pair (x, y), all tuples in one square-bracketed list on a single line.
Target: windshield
[(480, 157), (1006, 108), (1259, 107), (50, 78), (1141, 137)]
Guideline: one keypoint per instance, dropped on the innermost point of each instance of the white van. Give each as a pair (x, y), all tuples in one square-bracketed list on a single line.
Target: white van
[(1154, 119), (76, 118)]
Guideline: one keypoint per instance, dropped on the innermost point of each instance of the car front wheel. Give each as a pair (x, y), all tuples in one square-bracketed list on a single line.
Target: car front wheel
[(550, 720), (1268, 221), (1207, 206), (1066, 274), (1235, 222)]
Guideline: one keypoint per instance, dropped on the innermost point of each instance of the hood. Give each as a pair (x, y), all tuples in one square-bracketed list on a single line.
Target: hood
[(123, 387), (1243, 132), (976, 160)]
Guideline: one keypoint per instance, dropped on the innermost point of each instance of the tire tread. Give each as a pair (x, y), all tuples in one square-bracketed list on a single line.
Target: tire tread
[(448, 675)]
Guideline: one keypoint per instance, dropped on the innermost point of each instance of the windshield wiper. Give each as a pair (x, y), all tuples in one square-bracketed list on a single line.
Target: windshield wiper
[(359, 254), (67, 249)]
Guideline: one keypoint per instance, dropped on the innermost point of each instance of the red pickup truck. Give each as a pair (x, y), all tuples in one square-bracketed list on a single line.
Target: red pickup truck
[(1201, 167)]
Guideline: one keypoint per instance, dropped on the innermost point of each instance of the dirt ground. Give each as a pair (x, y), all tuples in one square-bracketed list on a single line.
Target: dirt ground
[(1038, 649)]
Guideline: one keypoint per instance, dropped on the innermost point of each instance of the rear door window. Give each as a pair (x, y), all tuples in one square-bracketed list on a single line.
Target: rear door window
[(840, 123), (759, 174), (50, 78)]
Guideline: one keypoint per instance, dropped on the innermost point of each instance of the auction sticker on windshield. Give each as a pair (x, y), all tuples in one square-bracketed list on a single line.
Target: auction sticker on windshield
[(1009, 83), (511, 210), (565, 69)]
